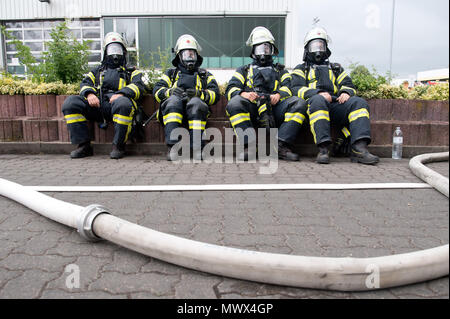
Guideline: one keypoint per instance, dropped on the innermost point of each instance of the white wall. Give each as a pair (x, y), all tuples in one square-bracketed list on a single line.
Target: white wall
[(33, 9)]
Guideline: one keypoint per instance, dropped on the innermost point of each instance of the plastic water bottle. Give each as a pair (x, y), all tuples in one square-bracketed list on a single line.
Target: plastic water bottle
[(397, 144)]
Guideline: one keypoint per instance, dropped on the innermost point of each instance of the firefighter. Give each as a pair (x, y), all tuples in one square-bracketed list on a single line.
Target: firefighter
[(259, 95), (185, 93), (109, 92), (331, 96)]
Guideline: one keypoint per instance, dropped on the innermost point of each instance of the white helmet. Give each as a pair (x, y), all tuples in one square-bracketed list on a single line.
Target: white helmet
[(317, 33), (186, 41), (261, 35), (114, 37)]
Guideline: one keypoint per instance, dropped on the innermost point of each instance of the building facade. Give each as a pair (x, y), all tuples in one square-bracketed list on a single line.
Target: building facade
[(221, 27)]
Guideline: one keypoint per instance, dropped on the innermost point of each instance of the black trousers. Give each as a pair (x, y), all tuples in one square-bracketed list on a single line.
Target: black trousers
[(289, 116), (353, 114), (77, 112)]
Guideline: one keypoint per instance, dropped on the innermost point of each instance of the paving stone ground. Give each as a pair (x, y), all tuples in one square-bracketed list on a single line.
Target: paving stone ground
[(35, 251)]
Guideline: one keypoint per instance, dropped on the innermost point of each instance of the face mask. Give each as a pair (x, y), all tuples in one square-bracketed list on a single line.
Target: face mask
[(188, 58), (114, 55), (317, 51), (263, 54)]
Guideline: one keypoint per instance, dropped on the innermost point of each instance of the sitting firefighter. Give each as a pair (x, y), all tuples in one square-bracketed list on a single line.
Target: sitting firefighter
[(331, 97), (108, 93), (185, 93), (259, 95)]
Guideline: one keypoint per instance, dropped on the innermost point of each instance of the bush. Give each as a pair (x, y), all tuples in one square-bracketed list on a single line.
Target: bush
[(153, 65), (10, 86), (66, 59)]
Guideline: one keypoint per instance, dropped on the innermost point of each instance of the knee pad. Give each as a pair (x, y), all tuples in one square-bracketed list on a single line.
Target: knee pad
[(73, 104), (298, 107), (122, 106), (197, 108), (235, 105)]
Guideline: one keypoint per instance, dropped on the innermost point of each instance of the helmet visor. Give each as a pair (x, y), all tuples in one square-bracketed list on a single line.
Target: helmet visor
[(317, 45), (189, 55), (263, 49), (114, 49)]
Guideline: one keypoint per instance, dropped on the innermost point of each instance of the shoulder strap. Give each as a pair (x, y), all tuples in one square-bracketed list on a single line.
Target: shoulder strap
[(174, 74), (336, 68), (203, 77)]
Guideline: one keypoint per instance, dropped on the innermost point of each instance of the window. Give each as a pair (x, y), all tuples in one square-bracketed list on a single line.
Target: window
[(221, 38), (35, 34)]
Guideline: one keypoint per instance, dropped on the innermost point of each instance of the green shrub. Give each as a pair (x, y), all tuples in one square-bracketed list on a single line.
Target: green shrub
[(10, 86), (66, 59)]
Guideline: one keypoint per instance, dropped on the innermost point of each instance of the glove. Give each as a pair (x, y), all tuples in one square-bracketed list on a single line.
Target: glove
[(177, 92), (192, 92)]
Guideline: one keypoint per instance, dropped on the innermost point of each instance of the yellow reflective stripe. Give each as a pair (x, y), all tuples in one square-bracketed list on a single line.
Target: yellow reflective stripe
[(239, 118), (250, 76), (353, 116), (87, 87), (136, 72), (299, 73), (286, 89), (239, 76), (341, 77), (124, 120), (74, 118), (297, 117), (210, 78), (212, 97), (157, 93), (285, 76), (121, 83), (333, 80), (346, 132), (173, 117), (166, 79), (232, 91), (302, 91), (262, 108), (135, 89), (319, 115), (276, 85), (348, 88), (197, 125), (92, 77)]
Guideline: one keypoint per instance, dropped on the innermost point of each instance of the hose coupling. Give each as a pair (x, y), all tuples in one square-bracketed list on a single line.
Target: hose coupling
[(86, 220)]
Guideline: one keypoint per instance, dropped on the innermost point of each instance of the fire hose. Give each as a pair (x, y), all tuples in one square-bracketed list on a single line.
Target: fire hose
[(95, 222)]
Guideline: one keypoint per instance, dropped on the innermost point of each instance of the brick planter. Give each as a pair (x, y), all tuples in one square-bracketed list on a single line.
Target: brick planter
[(12, 106), (43, 130), (40, 106), (59, 102), (11, 130)]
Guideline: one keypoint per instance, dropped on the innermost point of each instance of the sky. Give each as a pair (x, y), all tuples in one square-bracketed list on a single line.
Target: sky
[(361, 33)]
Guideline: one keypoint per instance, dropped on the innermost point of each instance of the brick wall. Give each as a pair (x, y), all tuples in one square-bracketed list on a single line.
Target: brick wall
[(39, 119)]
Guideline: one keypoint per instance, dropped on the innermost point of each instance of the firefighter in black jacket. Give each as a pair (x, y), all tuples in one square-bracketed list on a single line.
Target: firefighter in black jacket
[(330, 94), (109, 92), (260, 80), (186, 92)]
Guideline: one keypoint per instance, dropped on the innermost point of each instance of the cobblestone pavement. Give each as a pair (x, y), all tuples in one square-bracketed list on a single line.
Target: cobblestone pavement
[(35, 251)]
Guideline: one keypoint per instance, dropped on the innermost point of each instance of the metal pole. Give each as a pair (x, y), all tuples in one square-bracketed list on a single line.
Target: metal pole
[(392, 39)]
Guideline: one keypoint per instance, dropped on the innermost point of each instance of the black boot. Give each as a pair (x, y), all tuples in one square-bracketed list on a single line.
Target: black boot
[(285, 152), (360, 154), (118, 151), (83, 150), (324, 154)]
